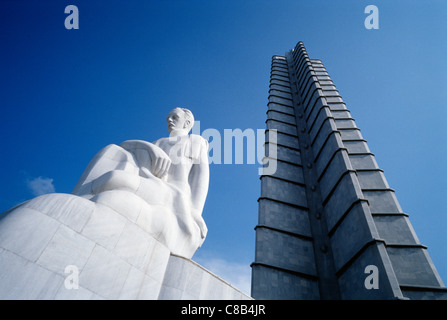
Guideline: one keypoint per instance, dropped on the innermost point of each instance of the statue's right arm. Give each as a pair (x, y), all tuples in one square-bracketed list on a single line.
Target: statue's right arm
[(159, 160)]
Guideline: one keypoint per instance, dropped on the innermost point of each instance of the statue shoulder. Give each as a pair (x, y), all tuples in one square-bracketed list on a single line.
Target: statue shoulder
[(197, 147), (198, 139)]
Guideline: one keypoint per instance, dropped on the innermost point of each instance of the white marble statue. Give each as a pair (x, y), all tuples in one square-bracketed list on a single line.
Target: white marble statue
[(127, 231), (163, 183)]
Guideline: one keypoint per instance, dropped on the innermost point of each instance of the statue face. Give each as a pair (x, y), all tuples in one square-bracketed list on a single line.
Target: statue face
[(176, 120)]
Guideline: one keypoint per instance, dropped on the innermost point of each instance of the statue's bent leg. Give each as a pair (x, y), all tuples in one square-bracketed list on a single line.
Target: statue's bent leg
[(116, 180), (110, 158)]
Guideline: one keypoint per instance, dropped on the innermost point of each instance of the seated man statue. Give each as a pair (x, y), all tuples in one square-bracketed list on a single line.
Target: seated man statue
[(160, 185)]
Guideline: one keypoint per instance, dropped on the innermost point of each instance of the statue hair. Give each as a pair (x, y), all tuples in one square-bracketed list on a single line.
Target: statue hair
[(188, 115)]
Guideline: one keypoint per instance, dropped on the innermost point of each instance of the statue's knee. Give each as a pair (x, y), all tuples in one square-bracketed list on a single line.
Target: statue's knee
[(115, 153), (116, 180)]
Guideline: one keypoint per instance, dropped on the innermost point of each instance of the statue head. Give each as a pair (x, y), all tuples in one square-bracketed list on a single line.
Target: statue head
[(180, 121)]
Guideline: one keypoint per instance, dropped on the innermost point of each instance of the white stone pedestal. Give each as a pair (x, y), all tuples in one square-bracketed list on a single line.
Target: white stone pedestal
[(61, 246), (186, 280)]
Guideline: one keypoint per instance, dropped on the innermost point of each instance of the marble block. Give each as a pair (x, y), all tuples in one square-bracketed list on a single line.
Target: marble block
[(186, 280), (114, 256)]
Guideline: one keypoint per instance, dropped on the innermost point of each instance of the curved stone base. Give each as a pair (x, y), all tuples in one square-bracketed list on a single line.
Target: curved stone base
[(61, 246)]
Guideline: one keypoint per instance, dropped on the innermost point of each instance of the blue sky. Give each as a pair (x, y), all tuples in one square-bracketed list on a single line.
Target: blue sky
[(65, 94)]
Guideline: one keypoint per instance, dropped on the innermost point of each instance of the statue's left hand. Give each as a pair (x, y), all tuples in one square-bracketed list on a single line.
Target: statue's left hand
[(160, 162)]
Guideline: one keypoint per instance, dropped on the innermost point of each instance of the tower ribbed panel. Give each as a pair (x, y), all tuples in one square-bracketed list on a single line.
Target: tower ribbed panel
[(328, 211), (284, 266)]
